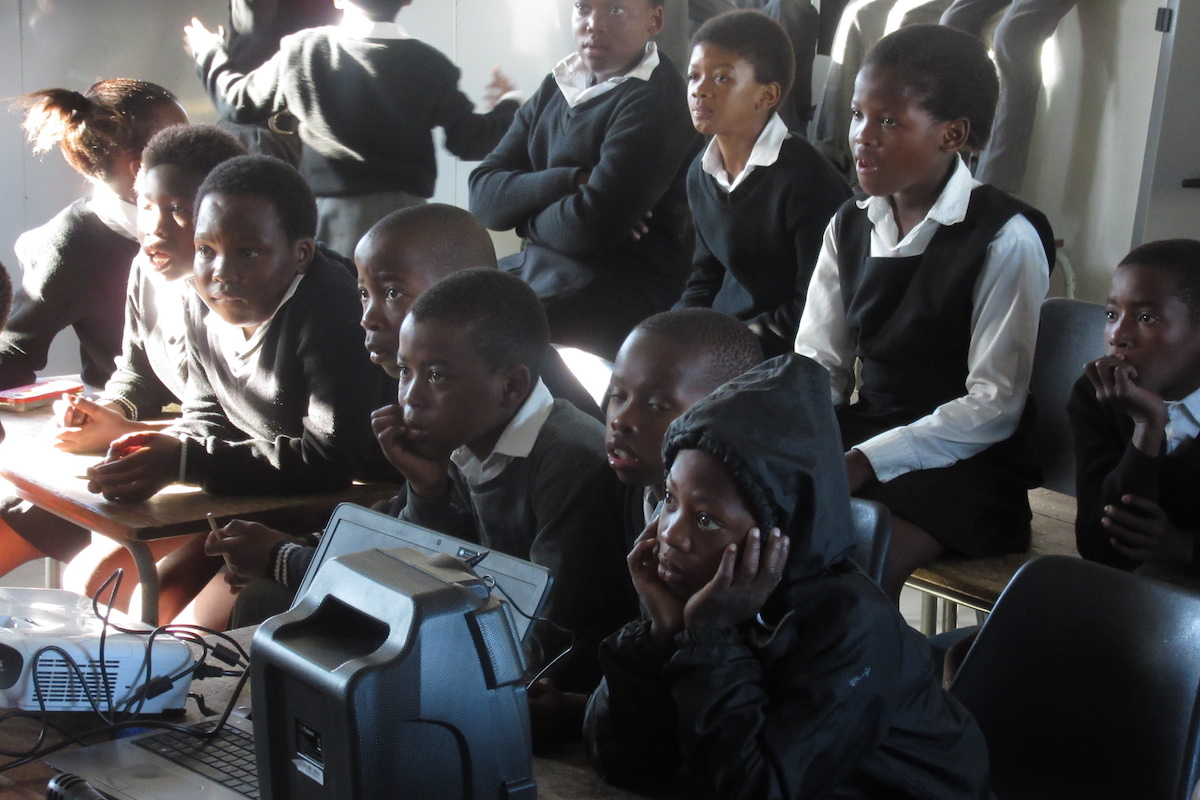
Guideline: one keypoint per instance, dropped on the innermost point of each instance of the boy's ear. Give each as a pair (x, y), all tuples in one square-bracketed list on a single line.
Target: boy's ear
[(770, 95), (518, 383), (955, 134), (304, 250), (656, 19)]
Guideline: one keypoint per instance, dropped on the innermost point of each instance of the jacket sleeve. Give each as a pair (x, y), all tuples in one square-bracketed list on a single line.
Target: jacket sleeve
[(802, 736), (708, 273), (450, 514), (469, 135), (505, 190), (1107, 466), (249, 97), (631, 728)]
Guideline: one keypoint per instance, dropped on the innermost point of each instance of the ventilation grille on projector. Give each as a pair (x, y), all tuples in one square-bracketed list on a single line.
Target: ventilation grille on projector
[(60, 686)]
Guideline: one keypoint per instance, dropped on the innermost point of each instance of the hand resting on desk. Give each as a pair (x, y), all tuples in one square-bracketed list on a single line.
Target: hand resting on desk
[(138, 466), (85, 426)]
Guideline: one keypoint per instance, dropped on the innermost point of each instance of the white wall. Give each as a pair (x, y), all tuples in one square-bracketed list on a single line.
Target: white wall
[(1089, 135)]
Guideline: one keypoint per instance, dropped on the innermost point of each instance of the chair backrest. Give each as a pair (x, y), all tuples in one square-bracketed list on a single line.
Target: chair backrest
[(872, 535), (1085, 681), (1071, 333)]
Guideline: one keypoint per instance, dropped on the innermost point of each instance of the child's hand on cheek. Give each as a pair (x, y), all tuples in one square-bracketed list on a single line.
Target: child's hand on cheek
[(427, 473), (1116, 385), (662, 606), (735, 595), (138, 466)]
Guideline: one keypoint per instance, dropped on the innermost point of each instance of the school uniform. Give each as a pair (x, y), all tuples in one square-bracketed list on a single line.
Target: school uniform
[(73, 274), (633, 137), (827, 692), (759, 235), (944, 322), (367, 97), (1108, 467), (540, 496), (288, 410)]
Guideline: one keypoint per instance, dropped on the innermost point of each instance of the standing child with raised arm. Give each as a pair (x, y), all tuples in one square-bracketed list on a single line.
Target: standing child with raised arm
[(1135, 415), (74, 268), (367, 97), (591, 175), (933, 284), (760, 196)]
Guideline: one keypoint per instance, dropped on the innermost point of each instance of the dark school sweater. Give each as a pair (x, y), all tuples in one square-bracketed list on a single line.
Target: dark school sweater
[(636, 141), (1108, 467), (367, 108), (756, 246), (74, 272), (300, 421)]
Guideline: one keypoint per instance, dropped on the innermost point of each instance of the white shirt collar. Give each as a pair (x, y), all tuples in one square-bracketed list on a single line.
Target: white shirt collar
[(574, 79), (358, 26), (1183, 420), (117, 214), (950, 208), (239, 352), (516, 441), (764, 153)]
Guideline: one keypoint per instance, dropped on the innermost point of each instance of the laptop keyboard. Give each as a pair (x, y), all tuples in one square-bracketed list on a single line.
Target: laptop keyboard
[(227, 759)]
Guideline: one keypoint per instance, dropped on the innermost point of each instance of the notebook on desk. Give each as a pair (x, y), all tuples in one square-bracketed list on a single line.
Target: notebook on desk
[(162, 765)]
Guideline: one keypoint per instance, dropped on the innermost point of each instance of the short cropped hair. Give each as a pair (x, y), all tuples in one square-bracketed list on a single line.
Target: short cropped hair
[(730, 347), (380, 10), (757, 38), (948, 72), (1180, 258), (196, 148), (270, 178), (507, 325), (450, 237)]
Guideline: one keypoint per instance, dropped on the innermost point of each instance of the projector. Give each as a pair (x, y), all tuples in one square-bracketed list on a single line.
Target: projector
[(33, 619)]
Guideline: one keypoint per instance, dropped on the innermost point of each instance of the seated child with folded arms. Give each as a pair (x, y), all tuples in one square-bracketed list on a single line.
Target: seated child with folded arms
[(932, 285), (1135, 415), (760, 196), (151, 371), (768, 664), (279, 388)]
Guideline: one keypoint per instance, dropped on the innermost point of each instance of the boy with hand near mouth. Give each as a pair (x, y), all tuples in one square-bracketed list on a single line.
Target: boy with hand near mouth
[(760, 196), (1135, 415), (491, 457), (591, 175)]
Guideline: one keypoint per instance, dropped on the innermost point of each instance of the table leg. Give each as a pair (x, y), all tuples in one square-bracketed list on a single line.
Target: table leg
[(928, 614), (949, 615), (148, 577)]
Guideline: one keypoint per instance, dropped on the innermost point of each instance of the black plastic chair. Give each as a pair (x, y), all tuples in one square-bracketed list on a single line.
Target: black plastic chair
[(872, 535), (1070, 333), (1085, 682)]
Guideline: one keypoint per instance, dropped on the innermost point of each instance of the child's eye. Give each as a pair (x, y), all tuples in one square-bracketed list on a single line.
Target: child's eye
[(616, 11), (888, 122), (248, 252), (1111, 316), (204, 251), (392, 293), (720, 78), (708, 523), (362, 295), (404, 372), (658, 405), (669, 501), (1147, 318), (855, 113), (437, 377)]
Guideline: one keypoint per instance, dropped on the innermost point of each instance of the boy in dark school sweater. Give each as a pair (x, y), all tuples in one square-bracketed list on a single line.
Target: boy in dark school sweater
[(760, 196), (279, 389), (1135, 415), (591, 175), (367, 97), (491, 457)]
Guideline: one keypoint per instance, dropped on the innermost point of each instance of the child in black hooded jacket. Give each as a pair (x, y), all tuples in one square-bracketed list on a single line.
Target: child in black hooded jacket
[(769, 665)]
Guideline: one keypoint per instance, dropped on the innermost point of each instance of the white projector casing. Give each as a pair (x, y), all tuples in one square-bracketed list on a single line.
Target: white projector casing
[(31, 619)]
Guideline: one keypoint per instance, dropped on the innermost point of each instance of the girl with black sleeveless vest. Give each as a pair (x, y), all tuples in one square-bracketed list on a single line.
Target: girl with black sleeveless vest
[(930, 286)]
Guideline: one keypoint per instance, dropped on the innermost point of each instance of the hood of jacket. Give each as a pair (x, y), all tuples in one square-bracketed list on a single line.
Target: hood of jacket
[(774, 427)]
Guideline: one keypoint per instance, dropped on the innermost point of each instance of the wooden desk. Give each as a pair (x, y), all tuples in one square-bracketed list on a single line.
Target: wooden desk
[(564, 776), (55, 481)]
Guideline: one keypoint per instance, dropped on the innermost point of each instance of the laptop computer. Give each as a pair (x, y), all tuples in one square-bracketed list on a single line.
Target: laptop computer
[(164, 765)]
